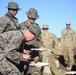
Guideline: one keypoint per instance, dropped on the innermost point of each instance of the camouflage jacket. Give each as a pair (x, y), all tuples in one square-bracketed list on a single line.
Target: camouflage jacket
[(35, 43), (49, 42), (68, 38), (10, 42), (8, 23)]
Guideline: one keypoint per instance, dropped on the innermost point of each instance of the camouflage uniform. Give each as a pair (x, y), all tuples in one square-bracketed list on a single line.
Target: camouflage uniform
[(68, 43), (52, 63), (8, 22), (10, 43), (32, 13), (49, 41)]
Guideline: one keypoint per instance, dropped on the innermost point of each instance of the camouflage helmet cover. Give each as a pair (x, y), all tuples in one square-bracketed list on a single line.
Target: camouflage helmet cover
[(32, 13), (45, 25), (13, 5), (68, 22), (35, 29), (57, 51)]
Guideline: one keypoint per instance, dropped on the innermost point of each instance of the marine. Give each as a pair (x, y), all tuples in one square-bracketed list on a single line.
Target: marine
[(32, 15), (49, 42), (10, 43), (9, 22), (68, 44)]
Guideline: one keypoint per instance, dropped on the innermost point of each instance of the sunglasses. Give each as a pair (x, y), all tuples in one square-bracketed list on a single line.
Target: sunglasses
[(32, 18), (67, 24)]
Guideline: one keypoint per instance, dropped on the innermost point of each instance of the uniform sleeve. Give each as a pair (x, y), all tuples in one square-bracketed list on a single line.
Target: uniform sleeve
[(12, 53), (74, 39), (2, 25), (13, 45), (56, 43)]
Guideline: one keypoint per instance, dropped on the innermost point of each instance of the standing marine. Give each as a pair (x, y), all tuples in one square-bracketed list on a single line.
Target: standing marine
[(9, 22), (68, 43), (49, 42), (32, 16)]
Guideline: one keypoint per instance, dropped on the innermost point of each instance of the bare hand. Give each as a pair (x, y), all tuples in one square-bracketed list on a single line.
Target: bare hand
[(26, 56)]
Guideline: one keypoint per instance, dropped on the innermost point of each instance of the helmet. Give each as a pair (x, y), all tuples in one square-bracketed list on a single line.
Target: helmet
[(45, 25), (68, 22), (13, 5), (32, 13), (57, 51), (35, 29)]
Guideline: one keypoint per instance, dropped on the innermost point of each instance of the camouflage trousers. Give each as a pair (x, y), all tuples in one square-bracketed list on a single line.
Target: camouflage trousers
[(68, 56), (46, 70), (35, 70), (46, 74), (8, 68)]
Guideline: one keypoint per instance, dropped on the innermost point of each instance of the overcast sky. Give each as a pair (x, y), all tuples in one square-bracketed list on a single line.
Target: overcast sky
[(53, 12)]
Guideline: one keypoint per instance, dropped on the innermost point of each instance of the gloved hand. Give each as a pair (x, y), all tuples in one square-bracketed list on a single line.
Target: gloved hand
[(36, 59), (68, 68)]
